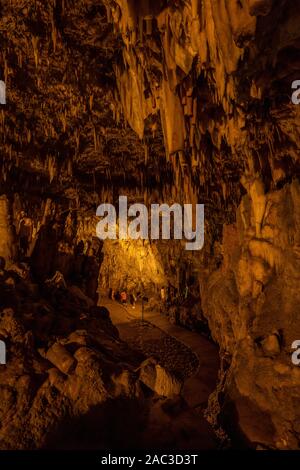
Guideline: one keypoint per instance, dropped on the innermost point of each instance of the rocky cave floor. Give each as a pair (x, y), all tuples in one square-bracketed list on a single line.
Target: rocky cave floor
[(174, 356), (151, 341), (72, 382)]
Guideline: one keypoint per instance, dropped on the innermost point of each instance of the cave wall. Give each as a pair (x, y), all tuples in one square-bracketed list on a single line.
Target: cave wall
[(186, 101), (7, 239), (251, 304), (219, 75), (132, 265)]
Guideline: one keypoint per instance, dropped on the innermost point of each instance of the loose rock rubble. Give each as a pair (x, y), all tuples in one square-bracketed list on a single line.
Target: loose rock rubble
[(66, 363)]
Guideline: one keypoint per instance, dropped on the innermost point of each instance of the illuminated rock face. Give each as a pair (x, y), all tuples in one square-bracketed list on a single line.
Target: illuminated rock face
[(132, 265), (219, 75), (251, 304)]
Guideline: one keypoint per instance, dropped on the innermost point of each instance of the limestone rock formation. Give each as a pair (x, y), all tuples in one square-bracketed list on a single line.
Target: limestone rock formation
[(158, 379), (70, 382), (165, 101), (222, 87), (251, 304)]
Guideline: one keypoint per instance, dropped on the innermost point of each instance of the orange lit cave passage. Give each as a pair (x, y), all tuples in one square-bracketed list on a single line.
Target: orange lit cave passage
[(122, 344)]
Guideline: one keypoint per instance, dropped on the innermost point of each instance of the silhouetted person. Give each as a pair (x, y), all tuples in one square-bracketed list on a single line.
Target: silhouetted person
[(124, 297)]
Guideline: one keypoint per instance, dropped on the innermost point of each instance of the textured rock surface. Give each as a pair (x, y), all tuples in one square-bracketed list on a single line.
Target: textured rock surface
[(158, 379), (206, 85), (7, 240), (134, 265), (222, 88), (70, 382), (251, 303)]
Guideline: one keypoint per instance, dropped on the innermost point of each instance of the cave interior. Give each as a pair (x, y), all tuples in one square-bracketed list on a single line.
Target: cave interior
[(141, 343)]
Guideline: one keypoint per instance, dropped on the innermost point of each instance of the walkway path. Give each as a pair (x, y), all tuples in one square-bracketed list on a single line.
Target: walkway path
[(201, 376)]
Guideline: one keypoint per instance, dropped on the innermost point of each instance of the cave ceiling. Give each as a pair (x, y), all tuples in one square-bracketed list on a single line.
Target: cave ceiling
[(96, 91), (62, 128)]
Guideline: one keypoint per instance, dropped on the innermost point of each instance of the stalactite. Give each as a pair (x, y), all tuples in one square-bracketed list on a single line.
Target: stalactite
[(52, 169), (77, 139), (70, 167), (20, 59), (63, 118), (91, 101), (95, 139), (53, 33), (6, 69), (146, 153), (35, 42)]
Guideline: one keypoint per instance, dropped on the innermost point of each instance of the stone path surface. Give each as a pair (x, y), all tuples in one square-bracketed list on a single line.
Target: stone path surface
[(188, 354)]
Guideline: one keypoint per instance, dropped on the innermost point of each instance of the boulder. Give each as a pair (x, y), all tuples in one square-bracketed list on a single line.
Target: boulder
[(126, 384), (61, 358), (158, 379)]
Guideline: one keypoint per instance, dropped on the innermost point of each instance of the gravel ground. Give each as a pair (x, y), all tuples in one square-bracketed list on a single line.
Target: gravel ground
[(152, 341)]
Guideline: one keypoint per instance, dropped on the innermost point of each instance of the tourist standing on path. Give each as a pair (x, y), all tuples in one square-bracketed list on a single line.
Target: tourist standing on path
[(124, 297)]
